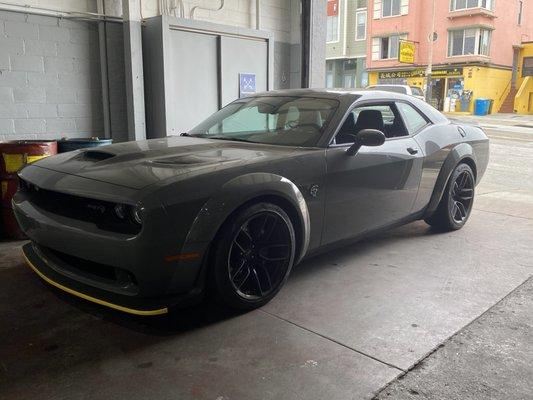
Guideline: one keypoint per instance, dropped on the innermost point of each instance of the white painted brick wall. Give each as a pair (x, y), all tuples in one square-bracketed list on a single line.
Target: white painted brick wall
[(275, 13), (49, 78)]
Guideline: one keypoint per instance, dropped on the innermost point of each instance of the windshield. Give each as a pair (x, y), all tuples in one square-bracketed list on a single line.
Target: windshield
[(288, 121)]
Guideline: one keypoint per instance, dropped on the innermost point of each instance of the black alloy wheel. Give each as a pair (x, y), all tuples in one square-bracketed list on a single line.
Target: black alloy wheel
[(462, 197), (254, 256), (457, 200)]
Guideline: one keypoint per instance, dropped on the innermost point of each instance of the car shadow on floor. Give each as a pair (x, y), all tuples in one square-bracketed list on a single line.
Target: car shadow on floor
[(359, 248), (207, 312)]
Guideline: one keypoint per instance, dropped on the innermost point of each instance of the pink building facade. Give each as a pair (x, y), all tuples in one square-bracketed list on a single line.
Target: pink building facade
[(474, 53)]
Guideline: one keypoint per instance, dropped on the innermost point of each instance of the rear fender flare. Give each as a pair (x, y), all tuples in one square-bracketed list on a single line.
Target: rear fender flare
[(238, 192), (459, 153)]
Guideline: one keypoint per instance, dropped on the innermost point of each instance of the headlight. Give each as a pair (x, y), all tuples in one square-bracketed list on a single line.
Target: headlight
[(137, 213), (120, 212)]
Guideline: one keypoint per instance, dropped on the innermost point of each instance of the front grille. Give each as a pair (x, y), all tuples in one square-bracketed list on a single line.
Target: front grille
[(99, 212), (92, 270), (73, 263)]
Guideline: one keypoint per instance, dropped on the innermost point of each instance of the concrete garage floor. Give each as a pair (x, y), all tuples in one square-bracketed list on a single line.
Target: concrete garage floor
[(347, 323)]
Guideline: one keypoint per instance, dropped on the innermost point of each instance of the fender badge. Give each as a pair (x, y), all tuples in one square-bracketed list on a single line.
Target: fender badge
[(313, 190)]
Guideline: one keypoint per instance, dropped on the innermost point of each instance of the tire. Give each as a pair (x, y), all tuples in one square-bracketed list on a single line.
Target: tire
[(457, 200), (253, 256)]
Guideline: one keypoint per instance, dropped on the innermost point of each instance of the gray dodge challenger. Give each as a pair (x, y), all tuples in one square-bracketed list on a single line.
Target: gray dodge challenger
[(228, 208)]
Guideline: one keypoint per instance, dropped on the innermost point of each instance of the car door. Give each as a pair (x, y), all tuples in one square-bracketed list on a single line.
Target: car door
[(378, 185)]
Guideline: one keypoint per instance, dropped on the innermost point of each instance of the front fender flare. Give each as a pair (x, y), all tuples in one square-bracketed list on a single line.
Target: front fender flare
[(459, 153), (237, 192)]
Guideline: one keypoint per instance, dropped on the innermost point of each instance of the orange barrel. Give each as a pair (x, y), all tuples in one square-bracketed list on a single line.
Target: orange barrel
[(13, 156)]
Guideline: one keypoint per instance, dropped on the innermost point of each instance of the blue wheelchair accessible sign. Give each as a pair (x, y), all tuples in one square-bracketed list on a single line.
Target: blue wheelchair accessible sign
[(246, 84)]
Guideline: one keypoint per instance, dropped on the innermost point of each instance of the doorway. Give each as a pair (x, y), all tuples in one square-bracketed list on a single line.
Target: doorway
[(438, 93)]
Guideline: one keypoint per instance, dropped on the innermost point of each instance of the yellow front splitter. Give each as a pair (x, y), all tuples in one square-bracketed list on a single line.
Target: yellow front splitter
[(73, 292)]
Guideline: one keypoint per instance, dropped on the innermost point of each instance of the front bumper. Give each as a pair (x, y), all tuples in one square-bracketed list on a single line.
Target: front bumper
[(127, 304)]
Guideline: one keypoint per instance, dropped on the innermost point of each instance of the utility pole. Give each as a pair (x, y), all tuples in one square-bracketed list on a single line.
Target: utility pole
[(431, 38)]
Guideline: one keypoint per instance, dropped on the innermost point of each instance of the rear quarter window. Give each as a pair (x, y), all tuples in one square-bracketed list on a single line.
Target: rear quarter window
[(414, 121)]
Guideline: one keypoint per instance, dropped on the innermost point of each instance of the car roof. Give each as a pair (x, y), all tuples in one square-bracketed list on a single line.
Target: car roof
[(390, 84), (346, 97), (360, 94)]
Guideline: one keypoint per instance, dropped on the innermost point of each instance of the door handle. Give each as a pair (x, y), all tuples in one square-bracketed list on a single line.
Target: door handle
[(412, 151)]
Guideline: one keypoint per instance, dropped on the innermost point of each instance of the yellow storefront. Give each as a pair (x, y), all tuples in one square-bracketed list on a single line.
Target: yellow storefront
[(454, 89)]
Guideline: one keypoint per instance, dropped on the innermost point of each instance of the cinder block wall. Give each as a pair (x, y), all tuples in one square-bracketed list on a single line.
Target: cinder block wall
[(50, 84)]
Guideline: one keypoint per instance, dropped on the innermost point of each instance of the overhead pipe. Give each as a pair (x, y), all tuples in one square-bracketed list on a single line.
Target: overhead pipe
[(257, 14), (181, 8), (104, 70), (54, 12), (191, 13)]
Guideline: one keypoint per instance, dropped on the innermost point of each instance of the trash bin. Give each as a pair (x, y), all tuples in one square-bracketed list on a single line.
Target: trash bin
[(65, 145), (14, 155), (481, 106)]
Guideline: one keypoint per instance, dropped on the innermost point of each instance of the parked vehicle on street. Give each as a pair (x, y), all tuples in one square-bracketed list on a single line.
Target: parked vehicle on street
[(404, 89), (232, 205)]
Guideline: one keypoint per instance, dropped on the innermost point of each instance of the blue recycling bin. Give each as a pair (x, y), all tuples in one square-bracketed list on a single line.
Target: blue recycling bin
[(481, 106)]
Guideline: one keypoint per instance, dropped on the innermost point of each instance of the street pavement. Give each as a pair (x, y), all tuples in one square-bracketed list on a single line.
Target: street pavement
[(500, 123), (412, 303), (492, 357)]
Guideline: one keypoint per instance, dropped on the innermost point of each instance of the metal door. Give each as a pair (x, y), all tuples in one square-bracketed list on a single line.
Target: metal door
[(192, 90), (241, 55)]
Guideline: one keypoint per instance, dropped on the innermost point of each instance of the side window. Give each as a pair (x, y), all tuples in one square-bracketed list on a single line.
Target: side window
[(414, 121), (383, 117)]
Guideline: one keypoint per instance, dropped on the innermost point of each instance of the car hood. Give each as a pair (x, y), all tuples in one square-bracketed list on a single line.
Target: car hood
[(139, 164)]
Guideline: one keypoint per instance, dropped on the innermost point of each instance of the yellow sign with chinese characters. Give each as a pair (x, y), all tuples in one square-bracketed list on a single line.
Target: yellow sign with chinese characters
[(406, 52)]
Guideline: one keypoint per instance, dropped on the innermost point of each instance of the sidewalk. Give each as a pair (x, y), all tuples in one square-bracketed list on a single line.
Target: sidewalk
[(518, 120), (510, 123), (491, 358)]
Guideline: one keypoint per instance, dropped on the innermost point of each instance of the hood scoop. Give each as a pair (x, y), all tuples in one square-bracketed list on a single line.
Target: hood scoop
[(96, 155), (190, 160)]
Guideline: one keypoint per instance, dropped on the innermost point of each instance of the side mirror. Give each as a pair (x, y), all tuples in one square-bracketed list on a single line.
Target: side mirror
[(366, 137)]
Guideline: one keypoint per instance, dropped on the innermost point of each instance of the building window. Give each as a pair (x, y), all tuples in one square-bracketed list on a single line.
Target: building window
[(390, 8), (389, 47), (520, 10), (329, 74), (332, 34), (484, 42), (456, 5), (360, 29), (473, 41)]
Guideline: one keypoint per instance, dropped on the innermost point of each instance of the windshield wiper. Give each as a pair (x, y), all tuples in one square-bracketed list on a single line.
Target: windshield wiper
[(227, 138)]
